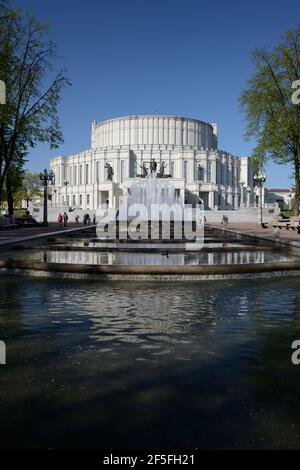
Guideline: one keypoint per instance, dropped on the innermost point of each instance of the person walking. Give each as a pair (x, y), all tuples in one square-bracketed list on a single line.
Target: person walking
[(94, 219), (60, 219), (77, 219), (225, 220), (65, 219)]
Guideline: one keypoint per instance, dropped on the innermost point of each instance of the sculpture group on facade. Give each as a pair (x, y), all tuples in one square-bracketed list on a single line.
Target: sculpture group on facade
[(153, 169), (145, 171)]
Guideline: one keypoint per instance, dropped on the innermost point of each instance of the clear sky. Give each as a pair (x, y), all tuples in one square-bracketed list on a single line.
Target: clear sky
[(189, 58)]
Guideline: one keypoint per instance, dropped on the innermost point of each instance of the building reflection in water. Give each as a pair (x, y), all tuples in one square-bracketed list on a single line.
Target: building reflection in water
[(163, 258)]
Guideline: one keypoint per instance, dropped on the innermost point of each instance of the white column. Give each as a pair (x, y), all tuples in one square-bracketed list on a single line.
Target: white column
[(110, 197), (211, 199)]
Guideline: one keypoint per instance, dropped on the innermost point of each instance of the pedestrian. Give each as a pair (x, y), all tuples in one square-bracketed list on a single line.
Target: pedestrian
[(77, 219), (60, 219), (84, 219), (225, 220), (94, 219), (88, 219), (65, 219)]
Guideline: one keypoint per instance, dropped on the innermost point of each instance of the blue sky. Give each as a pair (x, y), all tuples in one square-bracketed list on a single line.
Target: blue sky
[(188, 58)]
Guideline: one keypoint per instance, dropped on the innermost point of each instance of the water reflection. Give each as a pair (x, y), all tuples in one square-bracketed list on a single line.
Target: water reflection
[(164, 258), (162, 365)]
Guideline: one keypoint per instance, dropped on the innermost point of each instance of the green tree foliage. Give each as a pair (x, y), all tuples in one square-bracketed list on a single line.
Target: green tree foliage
[(33, 87), (272, 118), (30, 188)]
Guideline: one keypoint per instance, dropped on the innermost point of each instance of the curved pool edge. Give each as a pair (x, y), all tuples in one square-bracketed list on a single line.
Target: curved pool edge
[(149, 272), (147, 277)]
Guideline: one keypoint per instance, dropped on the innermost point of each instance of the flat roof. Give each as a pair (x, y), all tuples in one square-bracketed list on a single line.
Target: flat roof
[(162, 116)]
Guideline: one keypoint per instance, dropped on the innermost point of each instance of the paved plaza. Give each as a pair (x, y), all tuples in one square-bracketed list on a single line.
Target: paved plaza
[(289, 236)]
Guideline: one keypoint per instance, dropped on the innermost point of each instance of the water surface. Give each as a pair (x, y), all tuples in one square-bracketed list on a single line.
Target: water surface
[(149, 364)]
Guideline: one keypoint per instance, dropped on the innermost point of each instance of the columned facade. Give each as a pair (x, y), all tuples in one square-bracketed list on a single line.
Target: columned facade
[(186, 148)]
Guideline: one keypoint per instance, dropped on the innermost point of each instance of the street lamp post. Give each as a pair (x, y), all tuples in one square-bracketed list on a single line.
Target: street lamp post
[(45, 177), (66, 185), (242, 184), (248, 195), (55, 202), (259, 180), (290, 195)]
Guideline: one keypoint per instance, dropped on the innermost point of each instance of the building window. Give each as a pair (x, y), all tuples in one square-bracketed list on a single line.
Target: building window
[(75, 175), (225, 178), (133, 167), (80, 174), (70, 174), (97, 172), (122, 170), (87, 199), (185, 170), (219, 173), (209, 166), (68, 201), (80, 200), (74, 200), (172, 169), (87, 173)]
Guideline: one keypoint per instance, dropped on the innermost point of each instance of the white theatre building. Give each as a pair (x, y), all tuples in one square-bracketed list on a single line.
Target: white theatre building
[(185, 152)]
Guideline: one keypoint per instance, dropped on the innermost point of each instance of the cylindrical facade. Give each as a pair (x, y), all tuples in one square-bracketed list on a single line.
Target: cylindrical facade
[(153, 130)]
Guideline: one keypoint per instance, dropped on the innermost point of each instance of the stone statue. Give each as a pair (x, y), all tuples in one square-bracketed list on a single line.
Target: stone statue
[(145, 171), (200, 172), (110, 171), (161, 170), (153, 166)]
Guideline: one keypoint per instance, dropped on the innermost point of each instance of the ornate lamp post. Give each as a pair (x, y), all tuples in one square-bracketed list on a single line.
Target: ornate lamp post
[(242, 184), (248, 195), (66, 185), (55, 203), (45, 177), (259, 180), (290, 195)]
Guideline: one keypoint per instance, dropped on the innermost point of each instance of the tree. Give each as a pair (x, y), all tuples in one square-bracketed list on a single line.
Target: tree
[(33, 87), (13, 182), (272, 117), (31, 188)]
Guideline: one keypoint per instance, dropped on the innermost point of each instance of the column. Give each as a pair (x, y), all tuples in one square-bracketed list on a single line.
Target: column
[(110, 197), (211, 199)]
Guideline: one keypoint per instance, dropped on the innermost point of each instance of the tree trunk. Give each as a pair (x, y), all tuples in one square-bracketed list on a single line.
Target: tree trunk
[(9, 195)]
